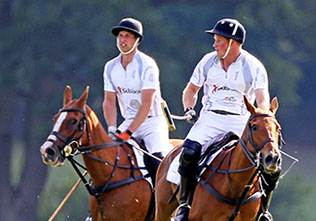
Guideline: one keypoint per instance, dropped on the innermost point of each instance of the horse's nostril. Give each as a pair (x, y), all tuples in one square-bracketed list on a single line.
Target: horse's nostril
[(268, 159), (273, 159), (279, 161), (50, 152)]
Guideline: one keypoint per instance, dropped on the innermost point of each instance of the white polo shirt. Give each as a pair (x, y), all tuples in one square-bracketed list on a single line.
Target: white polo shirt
[(224, 90), (140, 74)]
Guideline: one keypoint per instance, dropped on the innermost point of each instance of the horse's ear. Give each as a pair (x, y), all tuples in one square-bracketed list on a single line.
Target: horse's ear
[(250, 107), (67, 95), (274, 105), (83, 99)]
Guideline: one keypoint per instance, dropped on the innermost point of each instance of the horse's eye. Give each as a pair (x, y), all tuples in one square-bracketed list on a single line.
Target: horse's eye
[(254, 127), (73, 121)]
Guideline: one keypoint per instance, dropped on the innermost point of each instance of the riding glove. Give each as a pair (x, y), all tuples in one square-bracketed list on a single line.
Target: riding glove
[(113, 131), (192, 115), (125, 135)]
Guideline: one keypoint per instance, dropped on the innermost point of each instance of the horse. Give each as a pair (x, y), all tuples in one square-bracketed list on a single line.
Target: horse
[(230, 187), (118, 190)]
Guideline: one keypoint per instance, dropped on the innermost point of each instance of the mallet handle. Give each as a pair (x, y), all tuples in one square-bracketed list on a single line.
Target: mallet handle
[(66, 198)]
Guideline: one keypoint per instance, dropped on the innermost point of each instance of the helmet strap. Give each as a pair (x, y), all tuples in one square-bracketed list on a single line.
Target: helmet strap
[(132, 49), (228, 49), (230, 41)]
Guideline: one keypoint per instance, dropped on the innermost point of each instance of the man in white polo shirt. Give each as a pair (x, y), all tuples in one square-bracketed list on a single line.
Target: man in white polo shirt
[(226, 74), (133, 78)]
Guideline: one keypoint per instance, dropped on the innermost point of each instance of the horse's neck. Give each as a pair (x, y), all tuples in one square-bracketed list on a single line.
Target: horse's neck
[(240, 161), (100, 172)]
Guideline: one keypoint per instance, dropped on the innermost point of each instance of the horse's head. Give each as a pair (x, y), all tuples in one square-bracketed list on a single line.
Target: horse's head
[(263, 135), (69, 126)]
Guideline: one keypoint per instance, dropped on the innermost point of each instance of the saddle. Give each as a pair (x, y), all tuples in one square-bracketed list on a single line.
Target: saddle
[(151, 164), (229, 140)]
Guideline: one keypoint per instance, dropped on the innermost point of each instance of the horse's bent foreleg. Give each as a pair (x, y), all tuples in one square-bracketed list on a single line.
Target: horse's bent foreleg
[(164, 208), (164, 191)]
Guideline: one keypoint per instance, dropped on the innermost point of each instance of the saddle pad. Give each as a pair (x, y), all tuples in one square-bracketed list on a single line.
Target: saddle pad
[(173, 175), (140, 160)]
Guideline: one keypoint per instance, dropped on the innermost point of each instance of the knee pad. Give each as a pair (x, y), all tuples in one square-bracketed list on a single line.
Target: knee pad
[(189, 157)]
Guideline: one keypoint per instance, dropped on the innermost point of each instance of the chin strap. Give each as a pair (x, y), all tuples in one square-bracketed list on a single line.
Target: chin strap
[(230, 41), (228, 49), (132, 49)]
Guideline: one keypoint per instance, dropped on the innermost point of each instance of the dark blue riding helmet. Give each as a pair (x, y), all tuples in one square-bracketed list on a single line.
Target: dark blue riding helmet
[(229, 28), (131, 25)]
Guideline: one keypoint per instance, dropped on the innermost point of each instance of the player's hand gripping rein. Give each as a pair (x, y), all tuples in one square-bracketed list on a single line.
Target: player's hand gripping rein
[(117, 135), (192, 115), (113, 131), (124, 135)]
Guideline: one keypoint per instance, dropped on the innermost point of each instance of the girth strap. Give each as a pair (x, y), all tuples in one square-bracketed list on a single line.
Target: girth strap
[(111, 186), (223, 199)]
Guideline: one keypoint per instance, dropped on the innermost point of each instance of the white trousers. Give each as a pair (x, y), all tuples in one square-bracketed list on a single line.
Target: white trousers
[(212, 127), (155, 133)]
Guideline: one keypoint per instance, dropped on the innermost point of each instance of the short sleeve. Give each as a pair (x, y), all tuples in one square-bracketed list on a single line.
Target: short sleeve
[(260, 78), (199, 74), (108, 84), (150, 77)]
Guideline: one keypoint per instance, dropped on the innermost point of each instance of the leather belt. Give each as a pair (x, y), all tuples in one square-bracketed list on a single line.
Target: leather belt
[(224, 112), (134, 117)]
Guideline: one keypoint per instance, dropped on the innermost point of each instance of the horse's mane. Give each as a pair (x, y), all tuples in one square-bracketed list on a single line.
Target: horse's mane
[(93, 117)]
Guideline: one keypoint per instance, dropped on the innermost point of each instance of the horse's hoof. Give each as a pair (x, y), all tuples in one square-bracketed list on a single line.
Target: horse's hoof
[(266, 216)]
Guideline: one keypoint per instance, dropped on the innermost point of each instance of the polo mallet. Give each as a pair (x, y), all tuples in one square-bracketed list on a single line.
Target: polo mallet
[(169, 117), (66, 198)]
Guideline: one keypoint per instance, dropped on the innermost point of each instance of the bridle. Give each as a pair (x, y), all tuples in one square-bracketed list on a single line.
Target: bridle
[(254, 158), (68, 152), (82, 126)]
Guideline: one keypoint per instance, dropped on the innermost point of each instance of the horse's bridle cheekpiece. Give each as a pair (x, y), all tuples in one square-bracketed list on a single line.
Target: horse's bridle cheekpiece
[(65, 148)]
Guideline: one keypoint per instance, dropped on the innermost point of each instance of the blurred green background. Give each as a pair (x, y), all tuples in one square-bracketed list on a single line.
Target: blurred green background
[(45, 45)]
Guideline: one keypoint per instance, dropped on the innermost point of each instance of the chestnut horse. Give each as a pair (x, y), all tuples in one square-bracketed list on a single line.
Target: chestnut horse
[(229, 188), (118, 190)]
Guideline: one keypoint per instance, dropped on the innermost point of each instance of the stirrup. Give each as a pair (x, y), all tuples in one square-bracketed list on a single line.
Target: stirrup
[(265, 216), (89, 218), (182, 212), (183, 205)]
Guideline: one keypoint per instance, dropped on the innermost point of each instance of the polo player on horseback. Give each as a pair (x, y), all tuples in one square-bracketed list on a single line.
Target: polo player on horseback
[(227, 74), (133, 78)]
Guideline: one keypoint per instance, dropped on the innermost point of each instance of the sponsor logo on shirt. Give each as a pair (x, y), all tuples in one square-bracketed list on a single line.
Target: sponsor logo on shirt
[(214, 88), (123, 90), (224, 88), (230, 99), (135, 104)]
